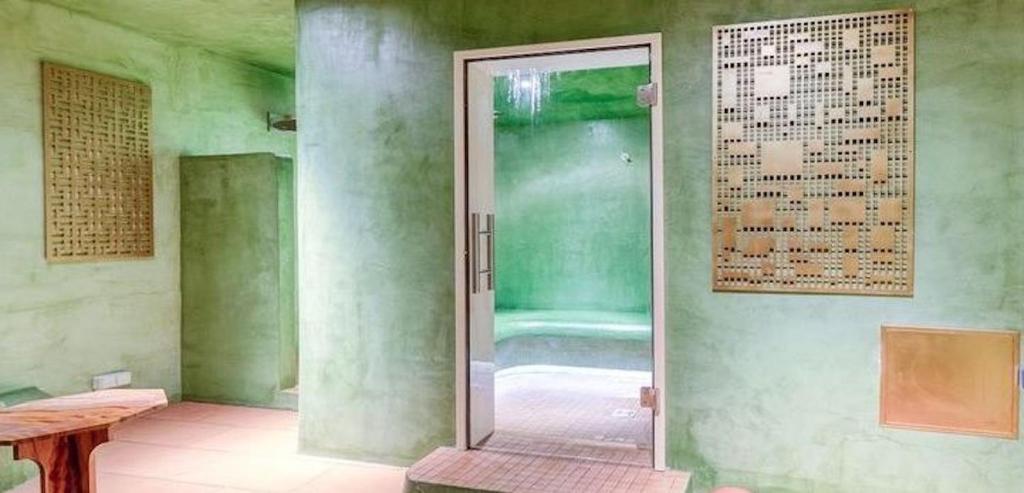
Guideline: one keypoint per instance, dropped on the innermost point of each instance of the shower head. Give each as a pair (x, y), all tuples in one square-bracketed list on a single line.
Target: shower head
[(286, 123)]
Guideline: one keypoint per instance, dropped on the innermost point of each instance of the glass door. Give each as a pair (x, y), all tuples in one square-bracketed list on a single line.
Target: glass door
[(559, 271)]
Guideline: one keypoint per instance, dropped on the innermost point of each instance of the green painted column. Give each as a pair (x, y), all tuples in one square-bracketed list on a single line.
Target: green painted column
[(375, 228)]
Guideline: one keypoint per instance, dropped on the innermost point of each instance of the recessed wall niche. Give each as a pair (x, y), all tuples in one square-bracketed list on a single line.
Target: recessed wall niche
[(98, 166), (813, 155)]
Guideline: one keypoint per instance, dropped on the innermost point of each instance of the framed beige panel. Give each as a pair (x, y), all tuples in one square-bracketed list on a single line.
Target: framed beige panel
[(98, 166), (955, 381), (813, 155)]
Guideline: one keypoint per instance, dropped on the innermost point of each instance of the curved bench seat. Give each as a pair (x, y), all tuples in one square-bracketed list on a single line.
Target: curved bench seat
[(619, 340)]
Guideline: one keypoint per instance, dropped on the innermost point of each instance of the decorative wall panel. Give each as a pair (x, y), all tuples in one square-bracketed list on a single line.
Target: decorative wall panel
[(97, 165), (958, 381), (813, 149)]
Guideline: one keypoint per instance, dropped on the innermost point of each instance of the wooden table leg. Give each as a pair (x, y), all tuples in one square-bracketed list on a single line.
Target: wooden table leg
[(65, 462)]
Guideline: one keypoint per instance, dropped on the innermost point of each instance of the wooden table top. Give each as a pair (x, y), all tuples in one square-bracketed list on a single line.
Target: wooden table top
[(74, 413)]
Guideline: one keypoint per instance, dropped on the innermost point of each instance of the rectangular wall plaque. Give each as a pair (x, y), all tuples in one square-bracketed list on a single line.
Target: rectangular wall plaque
[(955, 381), (98, 166), (813, 155)]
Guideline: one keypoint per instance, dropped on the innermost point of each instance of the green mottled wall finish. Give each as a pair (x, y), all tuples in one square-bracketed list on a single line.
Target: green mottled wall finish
[(237, 285), (374, 188), (288, 316), (573, 216), (574, 219), (61, 324), (260, 32), (777, 392), (594, 94)]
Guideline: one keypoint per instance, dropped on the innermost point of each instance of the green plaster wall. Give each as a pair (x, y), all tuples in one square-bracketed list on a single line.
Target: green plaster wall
[(575, 95), (288, 315), (777, 392), (260, 32), (573, 217), (237, 284), (61, 324), (374, 188), (573, 247)]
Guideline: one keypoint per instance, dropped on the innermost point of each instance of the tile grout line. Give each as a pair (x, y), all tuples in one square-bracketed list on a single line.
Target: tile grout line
[(192, 483)]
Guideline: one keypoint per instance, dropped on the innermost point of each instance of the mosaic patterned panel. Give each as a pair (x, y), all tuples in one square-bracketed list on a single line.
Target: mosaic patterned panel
[(98, 166), (813, 179)]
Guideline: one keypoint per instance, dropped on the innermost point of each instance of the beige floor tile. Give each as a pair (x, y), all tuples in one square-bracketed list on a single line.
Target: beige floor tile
[(167, 432), (116, 483), (155, 461), (202, 448), (187, 411), (573, 412), (248, 417), (244, 441), (357, 479), (224, 469), (517, 473), (269, 474)]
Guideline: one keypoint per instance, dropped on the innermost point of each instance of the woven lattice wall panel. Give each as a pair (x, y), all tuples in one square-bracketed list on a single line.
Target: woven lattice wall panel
[(813, 149), (98, 166)]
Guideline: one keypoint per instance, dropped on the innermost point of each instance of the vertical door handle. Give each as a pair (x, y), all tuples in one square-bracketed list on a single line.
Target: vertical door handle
[(490, 252), (474, 252), (474, 261)]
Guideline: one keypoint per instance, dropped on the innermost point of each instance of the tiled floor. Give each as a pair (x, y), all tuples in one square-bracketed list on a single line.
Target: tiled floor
[(572, 412), (524, 473), (561, 413), (204, 448)]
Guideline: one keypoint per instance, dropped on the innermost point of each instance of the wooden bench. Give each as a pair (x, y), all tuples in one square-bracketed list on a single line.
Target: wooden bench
[(59, 434)]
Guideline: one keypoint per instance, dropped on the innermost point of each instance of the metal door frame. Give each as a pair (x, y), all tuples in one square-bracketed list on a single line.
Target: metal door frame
[(462, 59)]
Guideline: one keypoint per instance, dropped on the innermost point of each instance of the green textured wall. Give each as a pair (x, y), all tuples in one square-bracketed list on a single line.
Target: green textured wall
[(374, 188), (287, 298), (575, 95), (573, 217), (261, 32), (236, 331), (61, 324), (778, 392)]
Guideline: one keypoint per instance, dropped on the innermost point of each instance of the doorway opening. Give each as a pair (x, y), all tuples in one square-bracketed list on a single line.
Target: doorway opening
[(560, 324)]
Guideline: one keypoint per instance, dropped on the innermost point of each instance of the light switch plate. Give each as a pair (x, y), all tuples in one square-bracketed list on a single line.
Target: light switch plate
[(115, 379)]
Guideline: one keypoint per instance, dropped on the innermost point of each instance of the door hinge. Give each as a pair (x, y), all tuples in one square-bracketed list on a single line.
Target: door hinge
[(647, 95), (650, 398)]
